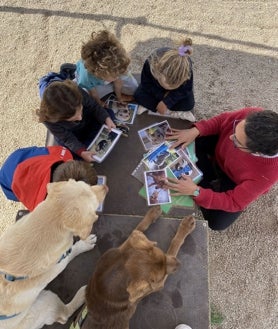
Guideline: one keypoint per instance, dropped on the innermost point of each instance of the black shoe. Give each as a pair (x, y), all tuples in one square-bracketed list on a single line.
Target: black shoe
[(68, 69)]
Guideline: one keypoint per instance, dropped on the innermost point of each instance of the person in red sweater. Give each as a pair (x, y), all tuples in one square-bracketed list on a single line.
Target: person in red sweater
[(237, 152)]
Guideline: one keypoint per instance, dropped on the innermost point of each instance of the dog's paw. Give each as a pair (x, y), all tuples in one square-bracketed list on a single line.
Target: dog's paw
[(88, 244), (154, 213), (187, 225)]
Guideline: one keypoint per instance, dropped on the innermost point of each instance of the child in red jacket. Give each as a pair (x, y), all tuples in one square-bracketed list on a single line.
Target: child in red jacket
[(27, 171)]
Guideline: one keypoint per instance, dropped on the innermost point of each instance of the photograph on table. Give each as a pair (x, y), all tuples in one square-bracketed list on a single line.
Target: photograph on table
[(154, 135), (156, 192), (161, 157), (184, 166), (104, 142), (124, 112)]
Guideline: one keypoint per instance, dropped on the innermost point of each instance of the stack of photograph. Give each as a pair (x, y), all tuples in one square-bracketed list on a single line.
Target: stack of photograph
[(162, 161)]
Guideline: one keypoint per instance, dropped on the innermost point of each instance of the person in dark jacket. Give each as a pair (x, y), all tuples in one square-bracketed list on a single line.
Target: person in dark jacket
[(72, 116), (167, 80)]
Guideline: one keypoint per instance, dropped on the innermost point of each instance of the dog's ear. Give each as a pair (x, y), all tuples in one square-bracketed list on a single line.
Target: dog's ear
[(171, 264), (138, 290), (54, 187)]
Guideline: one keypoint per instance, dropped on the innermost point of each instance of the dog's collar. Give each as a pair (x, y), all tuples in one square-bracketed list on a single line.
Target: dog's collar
[(6, 317), (77, 323), (65, 255), (10, 277)]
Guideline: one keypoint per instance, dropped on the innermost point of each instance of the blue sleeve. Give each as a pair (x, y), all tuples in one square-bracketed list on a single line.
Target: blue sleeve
[(84, 78)]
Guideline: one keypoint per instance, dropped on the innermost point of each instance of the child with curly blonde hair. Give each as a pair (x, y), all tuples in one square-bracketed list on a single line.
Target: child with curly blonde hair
[(104, 68), (167, 80)]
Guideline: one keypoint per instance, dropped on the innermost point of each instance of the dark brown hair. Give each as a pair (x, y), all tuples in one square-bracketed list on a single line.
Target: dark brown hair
[(59, 102)]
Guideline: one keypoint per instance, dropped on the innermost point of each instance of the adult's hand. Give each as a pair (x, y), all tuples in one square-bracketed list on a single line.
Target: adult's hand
[(183, 186), (182, 137)]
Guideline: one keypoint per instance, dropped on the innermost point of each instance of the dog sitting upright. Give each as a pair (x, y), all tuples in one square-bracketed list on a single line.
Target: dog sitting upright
[(35, 249), (124, 275)]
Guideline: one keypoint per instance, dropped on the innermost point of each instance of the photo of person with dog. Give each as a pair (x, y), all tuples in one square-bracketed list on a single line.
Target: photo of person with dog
[(161, 157), (124, 112), (157, 192), (184, 166), (154, 135)]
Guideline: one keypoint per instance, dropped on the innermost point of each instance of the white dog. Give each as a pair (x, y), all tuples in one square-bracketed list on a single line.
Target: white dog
[(38, 247)]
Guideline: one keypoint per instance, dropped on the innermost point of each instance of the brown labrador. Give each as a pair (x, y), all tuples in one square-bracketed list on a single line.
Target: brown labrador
[(124, 275)]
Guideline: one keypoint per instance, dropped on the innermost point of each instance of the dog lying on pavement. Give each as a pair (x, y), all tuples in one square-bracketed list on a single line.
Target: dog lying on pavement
[(38, 247), (124, 275)]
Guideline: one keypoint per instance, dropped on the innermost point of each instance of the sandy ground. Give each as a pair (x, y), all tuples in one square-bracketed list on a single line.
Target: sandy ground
[(235, 65)]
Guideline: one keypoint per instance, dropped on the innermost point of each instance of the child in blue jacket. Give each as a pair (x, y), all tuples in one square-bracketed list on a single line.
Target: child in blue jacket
[(27, 171)]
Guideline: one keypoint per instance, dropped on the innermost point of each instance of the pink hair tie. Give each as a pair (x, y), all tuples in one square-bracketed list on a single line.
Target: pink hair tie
[(183, 50)]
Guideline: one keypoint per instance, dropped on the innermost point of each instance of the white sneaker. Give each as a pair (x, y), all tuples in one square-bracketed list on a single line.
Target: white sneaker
[(141, 109), (183, 326), (184, 115)]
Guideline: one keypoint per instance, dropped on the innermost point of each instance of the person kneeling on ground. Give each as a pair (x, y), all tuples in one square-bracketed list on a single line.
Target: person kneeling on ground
[(238, 154), (73, 117), (27, 171)]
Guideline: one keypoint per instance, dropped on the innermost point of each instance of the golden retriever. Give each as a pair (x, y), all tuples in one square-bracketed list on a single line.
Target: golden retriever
[(124, 275), (38, 247)]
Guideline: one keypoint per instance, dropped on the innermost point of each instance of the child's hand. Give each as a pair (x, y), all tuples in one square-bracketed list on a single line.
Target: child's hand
[(118, 84), (94, 94), (109, 123), (88, 156), (161, 107), (126, 99)]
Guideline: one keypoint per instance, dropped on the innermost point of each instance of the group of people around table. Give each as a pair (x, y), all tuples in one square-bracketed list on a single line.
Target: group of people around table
[(237, 151)]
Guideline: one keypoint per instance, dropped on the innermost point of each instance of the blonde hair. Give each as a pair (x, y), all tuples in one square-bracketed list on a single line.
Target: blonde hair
[(104, 55), (174, 65)]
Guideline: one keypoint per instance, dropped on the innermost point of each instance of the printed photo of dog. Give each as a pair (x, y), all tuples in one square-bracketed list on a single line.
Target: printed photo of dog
[(155, 187), (184, 166), (154, 135), (36, 248), (104, 142), (161, 157), (124, 113)]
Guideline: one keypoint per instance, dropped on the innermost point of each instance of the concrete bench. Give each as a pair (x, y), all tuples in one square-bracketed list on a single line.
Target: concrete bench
[(184, 298)]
